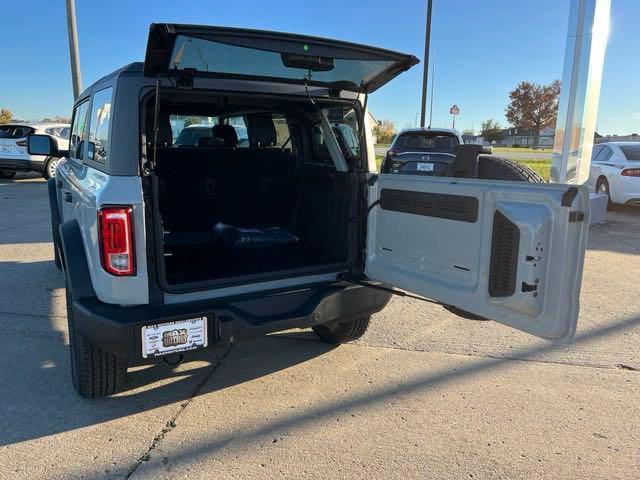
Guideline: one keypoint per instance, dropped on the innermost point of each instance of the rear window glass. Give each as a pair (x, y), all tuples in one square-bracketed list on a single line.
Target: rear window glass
[(632, 152), (209, 56), (427, 141)]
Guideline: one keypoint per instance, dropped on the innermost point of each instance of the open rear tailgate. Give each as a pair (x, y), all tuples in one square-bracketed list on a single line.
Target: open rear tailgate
[(259, 55)]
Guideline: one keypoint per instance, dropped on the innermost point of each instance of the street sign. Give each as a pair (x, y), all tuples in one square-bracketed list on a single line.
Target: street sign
[(454, 110)]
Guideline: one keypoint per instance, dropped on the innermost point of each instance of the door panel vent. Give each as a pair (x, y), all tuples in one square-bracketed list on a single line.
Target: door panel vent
[(438, 205), (505, 244)]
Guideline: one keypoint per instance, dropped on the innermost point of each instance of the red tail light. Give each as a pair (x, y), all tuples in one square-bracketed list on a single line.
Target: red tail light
[(21, 143), (631, 172), (116, 240)]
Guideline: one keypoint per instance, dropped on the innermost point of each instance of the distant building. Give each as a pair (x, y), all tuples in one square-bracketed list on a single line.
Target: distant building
[(522, 137), (633, 137), (473, 139)]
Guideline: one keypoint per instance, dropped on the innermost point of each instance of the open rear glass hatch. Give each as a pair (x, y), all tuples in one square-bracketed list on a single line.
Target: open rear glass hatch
[(270, 56)]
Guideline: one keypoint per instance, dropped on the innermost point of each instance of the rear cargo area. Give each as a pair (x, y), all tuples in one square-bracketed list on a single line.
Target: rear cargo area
[(230, 214)]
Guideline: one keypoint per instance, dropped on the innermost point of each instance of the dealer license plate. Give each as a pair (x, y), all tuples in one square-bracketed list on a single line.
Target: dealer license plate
[(174, 337), (425, 167)]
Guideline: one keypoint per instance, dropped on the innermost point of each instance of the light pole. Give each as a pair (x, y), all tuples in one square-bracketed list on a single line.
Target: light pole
[(425, 75), (585, 50), (74, 56)]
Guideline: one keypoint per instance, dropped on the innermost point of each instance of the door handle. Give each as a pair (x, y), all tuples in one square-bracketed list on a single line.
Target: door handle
[(67, 197)]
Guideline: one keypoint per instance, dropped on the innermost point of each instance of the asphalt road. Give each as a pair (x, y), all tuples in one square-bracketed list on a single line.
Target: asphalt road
[(423, 394)]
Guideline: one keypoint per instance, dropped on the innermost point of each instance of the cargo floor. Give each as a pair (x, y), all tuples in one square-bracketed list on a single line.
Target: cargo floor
[(218, 261)]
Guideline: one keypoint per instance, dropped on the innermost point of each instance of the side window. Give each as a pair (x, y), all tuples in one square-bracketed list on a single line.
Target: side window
[(97, 149), (282, 130), (596, 151), (78, 131), (320, 150), (64, 132), (604, 155)]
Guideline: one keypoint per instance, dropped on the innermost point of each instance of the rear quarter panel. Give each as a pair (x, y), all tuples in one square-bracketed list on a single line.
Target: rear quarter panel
[(91, 190)]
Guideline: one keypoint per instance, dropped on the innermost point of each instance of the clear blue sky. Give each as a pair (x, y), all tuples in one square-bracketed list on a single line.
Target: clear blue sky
[(482, 49)]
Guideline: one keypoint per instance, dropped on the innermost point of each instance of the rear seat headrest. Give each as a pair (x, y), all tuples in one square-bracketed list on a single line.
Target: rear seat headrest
[(227, 133), (262, 131)]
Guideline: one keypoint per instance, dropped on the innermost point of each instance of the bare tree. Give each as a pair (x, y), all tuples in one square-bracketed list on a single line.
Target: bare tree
[(534, 107)]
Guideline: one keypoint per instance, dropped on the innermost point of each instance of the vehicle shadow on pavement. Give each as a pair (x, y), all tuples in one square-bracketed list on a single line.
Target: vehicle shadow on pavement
[(36, 394)]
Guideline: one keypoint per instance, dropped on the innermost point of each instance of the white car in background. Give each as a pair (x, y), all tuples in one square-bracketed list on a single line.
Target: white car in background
[(615, 171), (13, 148)]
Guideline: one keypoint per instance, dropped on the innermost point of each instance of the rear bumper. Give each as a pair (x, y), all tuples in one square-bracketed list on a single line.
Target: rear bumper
[(625, 190), (118, 329)]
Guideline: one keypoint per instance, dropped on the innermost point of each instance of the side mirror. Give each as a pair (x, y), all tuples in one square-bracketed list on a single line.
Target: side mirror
[(42, 145), (486, 149)]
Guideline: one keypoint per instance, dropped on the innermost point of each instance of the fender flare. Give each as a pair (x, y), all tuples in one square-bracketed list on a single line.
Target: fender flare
[(76, 267)]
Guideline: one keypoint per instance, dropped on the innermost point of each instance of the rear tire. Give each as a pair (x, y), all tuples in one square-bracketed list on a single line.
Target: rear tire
[(342, 332), (602, 186), (95, 372), (7, 175), (491, 167), (50, 168)]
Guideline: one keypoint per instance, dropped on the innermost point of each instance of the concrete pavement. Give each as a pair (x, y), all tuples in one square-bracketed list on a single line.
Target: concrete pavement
[(422, 394)]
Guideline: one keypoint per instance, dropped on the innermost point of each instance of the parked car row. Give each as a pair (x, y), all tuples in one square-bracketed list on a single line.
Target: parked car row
[(13, 148), (615, 166)]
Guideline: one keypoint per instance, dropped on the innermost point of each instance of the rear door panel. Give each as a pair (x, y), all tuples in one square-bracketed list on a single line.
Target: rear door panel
[(506, 251)]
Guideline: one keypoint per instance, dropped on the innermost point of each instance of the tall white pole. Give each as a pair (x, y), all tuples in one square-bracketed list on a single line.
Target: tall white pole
[(587, 36), (74, 56)]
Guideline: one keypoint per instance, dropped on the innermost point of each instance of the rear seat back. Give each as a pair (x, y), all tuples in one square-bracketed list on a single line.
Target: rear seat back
[(241, 187)]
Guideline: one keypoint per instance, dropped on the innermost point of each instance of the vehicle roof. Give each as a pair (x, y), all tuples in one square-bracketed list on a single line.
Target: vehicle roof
[(36, 125), (49, 124), (619, 144), (131, 68)]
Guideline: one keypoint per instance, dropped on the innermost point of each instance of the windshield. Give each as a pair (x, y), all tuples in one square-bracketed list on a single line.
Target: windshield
[(428, 141), (632, 152), (210, 56)]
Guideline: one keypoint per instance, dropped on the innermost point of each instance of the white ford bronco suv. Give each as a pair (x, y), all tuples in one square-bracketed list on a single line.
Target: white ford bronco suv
[(170, 247)]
